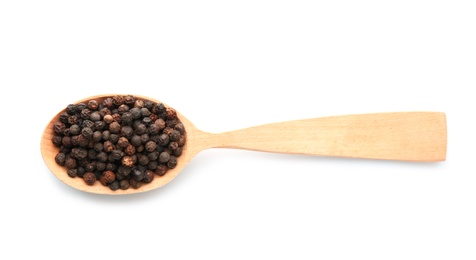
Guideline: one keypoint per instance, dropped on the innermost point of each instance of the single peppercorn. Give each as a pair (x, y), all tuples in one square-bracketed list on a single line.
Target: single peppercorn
[(108, 119), (114, 127), (170, 113), (95, 116), (72, 173), (59, 127), (127, 161), (148, 176), (164, 157), (60, 158), (57, 140), (114, 185), (89, 178), (124, 184), (87, 132), (117, 100), (109, 176), (172, 162)]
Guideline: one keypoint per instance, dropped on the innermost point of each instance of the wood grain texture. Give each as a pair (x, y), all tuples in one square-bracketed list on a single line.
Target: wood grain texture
[(406, 136)]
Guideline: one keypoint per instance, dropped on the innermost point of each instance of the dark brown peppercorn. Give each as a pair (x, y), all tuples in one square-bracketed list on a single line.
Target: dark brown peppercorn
[(124, 184), (95, 116), (71, 109), (137, 174), (60, 158), (93, 104), (59, 127), (115, 127), (117, 100), (108, 119), (85, 113), (135, 184), (89, 178), (75, 129), (130, 150), (114, 185), (127, 161), (87, 132), (172, 162), (66, 141), (108, 102), (129, 100), (57, 140), (181, 140), (73, 173), (109, 146), (170, 113), (127, 131), (175, 135), (109, 176), (161, 170), (73, 119), (150, 146), (64, 117), (123, 142), (164, 157), (148, 176), (79, 153)]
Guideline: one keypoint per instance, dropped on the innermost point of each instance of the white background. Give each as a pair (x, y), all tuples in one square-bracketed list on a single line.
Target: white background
[(226, 65)]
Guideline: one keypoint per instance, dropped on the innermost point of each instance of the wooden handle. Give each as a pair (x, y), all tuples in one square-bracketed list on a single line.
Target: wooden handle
[(407, 136)]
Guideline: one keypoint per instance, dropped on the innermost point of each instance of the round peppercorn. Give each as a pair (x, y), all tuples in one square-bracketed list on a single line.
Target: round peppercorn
[(114, 127), (93, 104), (95, 116), (148, 176), (124, 184), (109, 176), (59, 127), (60, 158), (89, 178), (164, 157)]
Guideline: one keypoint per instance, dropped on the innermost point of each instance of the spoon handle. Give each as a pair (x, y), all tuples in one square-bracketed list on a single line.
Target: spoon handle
[(405, 136)]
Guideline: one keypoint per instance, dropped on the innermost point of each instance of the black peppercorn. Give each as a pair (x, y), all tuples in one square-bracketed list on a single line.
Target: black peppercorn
[(117, 100), (57, 140), (59, 127), (72, 173), (161, 170), (60, 158), (93, 104), (95, 116), (170, 113), (137, 174), (164, 157), (87, 132), (172, 162), (75, 129), (89, 178), (114, 127), (114, 185), (71, 109), (124, 184), (148, 176)]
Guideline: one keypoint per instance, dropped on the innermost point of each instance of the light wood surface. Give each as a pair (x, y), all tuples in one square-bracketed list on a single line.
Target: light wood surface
[(405, 136)]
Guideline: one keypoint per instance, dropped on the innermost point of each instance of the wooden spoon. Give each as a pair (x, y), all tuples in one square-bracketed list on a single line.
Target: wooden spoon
[(403, 136)]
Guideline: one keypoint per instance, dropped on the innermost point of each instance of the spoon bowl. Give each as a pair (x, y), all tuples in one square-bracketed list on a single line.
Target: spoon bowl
[(404, 136)]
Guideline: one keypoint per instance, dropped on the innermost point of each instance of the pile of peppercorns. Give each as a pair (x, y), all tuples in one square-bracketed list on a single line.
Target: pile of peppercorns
[(122, 141)]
